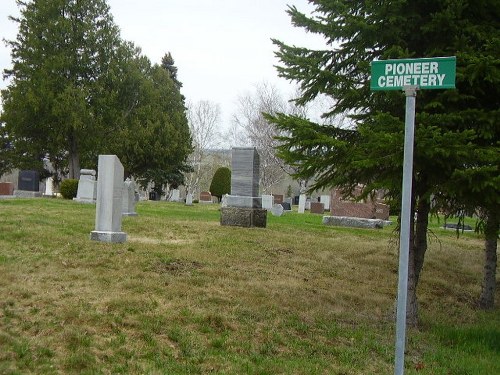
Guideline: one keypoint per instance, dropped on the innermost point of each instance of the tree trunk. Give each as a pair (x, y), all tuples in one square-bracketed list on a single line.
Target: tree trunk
[(420, 240), (418, 247), (487, 298), (74, 158)]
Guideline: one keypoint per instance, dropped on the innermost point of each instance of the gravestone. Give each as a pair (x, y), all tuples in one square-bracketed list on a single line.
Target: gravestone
[(465, 228), (244, 206), (175, 195), (267, 201), (49, 187), (368, 209), (223, 201), (28, 181), (87, 187), (278, 209), (128, 198), (308, 204), (205, 197), (325, 199), (28, 185), (317, 208), (189, 199), (6, 188), (278, 198), (302, 204), (286, 206), (355, 222), (108, 219)]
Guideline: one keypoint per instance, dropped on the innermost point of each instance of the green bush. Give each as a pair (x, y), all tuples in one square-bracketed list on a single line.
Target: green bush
[(69, 188), (221, 182)]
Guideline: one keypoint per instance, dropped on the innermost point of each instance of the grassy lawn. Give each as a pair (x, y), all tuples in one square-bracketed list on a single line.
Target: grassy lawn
[(185, 295)]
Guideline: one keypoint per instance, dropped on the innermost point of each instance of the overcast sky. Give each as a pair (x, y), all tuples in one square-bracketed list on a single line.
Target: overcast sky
[(222, 48)]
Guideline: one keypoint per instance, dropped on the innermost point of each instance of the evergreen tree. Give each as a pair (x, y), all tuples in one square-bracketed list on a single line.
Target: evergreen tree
[(221, 182), (168, 63), (155, 142), (63, 59), (456, 130)]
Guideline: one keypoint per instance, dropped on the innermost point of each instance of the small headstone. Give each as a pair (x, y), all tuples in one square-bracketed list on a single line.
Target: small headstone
[(308, 204), (277, 210), (49, 187), (223, 202), (317, 208), (154, 196), (87, 187), (6, 188), (267, 201), (189, 199), (205, 197), (28, 181), (128, 198), (302, 204), (355, 222), (175, 195), (286, 206), (278, 198), (108, 219), (465, 228), (325, 199)]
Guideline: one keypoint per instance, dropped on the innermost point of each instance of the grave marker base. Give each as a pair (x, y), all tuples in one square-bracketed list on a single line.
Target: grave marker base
[(243, 217), (113, 237)]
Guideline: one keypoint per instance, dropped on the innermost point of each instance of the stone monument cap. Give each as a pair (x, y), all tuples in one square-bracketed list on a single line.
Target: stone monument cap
[(91, 172)]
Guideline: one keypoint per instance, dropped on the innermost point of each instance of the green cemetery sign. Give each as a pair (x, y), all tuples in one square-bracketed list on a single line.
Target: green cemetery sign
[(427, 73)]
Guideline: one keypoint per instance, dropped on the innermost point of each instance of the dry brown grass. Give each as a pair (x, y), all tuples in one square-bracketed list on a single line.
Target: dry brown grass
[(185, 295)]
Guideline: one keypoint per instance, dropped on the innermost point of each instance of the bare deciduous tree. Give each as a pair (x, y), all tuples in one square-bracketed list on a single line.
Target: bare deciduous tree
[(250, 128), (204, 118)]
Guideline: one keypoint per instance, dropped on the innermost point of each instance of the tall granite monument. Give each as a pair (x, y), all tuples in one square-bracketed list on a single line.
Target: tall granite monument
[(243, 205), (108, 218)]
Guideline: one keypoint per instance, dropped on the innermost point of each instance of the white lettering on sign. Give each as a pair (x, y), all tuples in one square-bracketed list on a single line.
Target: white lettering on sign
[(411, 73), (411, 79), (411, 68)]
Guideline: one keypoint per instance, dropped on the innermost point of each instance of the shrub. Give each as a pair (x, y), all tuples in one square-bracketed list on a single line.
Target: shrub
[(221, 182), (69, 188)]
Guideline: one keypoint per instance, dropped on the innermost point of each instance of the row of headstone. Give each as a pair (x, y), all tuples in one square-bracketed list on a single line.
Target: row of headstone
[(276, 204), (87, 192)]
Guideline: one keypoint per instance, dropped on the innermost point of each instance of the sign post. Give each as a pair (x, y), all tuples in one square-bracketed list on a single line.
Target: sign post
[(409, 75)]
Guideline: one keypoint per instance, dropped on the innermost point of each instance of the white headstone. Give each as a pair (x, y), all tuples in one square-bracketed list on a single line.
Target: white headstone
[(308, 204), (49, 186), (223, 202), (325, 199), (189, 199), (108, 218), (302, 204), (128, 198), (87, 187), (267, 201), (175, 195), (277, 210)]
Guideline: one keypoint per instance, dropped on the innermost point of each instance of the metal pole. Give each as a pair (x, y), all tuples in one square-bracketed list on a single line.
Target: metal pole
[(404, 235)]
